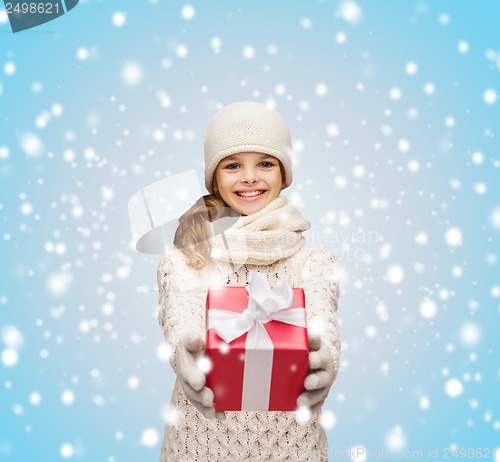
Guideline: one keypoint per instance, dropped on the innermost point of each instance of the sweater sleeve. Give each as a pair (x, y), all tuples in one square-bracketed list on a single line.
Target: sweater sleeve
[(320, 280), (181, 307)]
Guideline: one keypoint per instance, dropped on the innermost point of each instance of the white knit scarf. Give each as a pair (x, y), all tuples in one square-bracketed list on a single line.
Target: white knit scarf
[(263, 237)]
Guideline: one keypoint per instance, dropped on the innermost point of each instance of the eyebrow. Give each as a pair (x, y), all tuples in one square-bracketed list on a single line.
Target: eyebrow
[(262, 156)]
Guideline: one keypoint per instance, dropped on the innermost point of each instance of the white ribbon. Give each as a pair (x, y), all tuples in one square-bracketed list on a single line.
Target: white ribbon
[(264, 304)]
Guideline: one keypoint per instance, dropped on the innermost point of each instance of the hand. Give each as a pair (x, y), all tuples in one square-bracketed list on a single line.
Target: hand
[(321, 374), (192, 379)]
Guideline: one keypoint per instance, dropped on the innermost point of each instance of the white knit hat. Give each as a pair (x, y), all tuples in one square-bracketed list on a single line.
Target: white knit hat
[(247, 126)]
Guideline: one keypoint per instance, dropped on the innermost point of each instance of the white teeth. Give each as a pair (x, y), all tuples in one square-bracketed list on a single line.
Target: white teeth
[(250, 194)]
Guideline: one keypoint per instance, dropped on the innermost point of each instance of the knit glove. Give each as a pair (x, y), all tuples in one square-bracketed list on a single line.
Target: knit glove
[(188, 351), (321, 375)]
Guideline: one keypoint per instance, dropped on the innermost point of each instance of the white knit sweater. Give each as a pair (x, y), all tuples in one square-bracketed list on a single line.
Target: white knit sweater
[(252, 436)]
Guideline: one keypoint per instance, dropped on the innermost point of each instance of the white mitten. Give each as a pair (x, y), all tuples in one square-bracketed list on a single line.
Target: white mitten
[(192, 378), (322, 374)]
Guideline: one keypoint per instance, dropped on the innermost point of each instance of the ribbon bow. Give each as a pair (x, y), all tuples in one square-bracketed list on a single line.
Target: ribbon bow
[(264, 304)]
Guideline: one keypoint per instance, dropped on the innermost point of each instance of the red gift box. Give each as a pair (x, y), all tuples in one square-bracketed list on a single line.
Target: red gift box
[(264, 368)]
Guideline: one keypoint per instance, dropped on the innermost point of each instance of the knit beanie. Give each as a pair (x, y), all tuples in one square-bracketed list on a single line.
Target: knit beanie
[(247, 126)]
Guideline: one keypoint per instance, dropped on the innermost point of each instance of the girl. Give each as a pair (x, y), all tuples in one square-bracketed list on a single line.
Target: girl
[(247, 165)]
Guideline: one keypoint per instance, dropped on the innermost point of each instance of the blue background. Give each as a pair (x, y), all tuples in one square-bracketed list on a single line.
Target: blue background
[(77, 302)]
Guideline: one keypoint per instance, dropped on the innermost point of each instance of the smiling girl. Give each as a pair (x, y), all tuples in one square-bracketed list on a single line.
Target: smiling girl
[(247, 182), (247, 165)]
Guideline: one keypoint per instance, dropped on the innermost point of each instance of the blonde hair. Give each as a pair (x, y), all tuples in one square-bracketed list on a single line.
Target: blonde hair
[(192, 235)]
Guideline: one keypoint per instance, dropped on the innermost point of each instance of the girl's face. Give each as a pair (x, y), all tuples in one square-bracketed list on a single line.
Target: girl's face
[(248, 181)]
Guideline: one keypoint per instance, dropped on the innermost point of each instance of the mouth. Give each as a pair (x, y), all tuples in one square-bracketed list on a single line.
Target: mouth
[(250, 195)]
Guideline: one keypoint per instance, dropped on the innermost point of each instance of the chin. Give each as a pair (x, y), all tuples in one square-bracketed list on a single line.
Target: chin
[(251, 210)]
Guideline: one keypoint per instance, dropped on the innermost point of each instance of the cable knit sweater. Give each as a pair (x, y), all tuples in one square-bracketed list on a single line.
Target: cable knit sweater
[(252, 436)]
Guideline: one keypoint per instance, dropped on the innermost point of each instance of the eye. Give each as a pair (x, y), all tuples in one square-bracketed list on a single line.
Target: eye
[(266, 164), (230, 166)]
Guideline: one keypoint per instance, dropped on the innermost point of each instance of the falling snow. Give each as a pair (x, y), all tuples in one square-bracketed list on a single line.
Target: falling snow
[(248, 52), (119, 19), (188, 12), (149, 437), (67, 451), (396, 439), (495, 218), (454, 388), (428, 309), (470, 334), (31, 145), (9, 357), (350, 11), (395, 274), (424, 403), (453, 237), (396, 163), (490, 96), (132, 74)]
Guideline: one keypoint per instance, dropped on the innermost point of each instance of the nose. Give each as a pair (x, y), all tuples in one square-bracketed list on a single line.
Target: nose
[(249, 176)]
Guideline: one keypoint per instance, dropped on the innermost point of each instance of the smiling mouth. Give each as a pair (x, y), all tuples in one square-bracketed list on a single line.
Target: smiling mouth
[(250, 193)]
